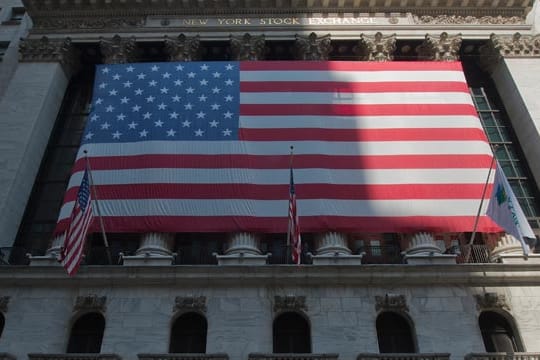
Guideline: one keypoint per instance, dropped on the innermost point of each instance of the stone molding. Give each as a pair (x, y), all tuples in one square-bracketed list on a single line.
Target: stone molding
[(490, 300), (440, 48), (4, 301), (511, 46), (190, 303), (118, 50), (40, 356), (391, 302), (376, 48), (50, 50), (292, 356), (247, 47), (183, 48), (217, 356), (289, 303), (312, 47), (86, 23), (468, 20), (90, 303)]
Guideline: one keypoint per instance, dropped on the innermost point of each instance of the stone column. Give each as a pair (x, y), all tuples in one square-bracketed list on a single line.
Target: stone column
[(247, 47), (423, 250), (154, 249), (510, 251), (332, 249), (440, 48), (118, 50), (312, 47), (514, 65), (29, 109), (183, 48), (376, 48), (242, 249)]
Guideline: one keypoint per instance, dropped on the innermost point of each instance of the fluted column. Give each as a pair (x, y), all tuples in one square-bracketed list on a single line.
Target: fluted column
[(423, 250), (247, 47), (376, 48), (118, 50), (510, 250), (242, 249), (312, 47), (154, 249), (332, 249), (183, 48), (441, 48)]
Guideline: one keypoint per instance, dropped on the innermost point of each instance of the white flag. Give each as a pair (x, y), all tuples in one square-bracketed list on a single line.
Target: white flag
[(504, 209)]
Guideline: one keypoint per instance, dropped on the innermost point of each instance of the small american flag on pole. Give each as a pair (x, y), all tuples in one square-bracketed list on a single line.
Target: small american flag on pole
[(80, 220), (294, 230)]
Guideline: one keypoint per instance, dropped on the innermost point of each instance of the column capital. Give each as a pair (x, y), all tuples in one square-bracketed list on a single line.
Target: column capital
[(376, 48), (118, 50), (183, 48), (440, 48), (508, 46), (50, 50), (247, 47), (312, 47)]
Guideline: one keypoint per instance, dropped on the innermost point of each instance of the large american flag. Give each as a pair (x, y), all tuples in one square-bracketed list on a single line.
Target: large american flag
[(203, 147)]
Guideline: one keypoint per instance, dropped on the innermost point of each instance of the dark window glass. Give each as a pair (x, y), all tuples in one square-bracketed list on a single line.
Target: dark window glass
[(87, 334), (394, 334), (497, 333), (291, 334), (188, 334), (2, 322)]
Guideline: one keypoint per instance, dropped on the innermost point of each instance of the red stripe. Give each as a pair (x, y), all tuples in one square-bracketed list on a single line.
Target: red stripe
[(353, 87), (421, 134), (357, 110), (406, 224), (350, 66), (276, 192), (466, 161)]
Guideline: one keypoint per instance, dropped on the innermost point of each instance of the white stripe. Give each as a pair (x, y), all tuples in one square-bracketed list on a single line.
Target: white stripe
[(352, 76), (277, 208), (360, 122), (280, 176), (444, 98), (282, 148)]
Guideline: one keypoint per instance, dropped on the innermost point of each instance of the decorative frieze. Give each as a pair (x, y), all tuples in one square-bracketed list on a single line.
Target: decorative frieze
[(391, 302), (312, 47), (289, 303), (247, 47), (183, 48), (469, 20), (189, 303), (90, 303), (376, 48), (500, 46), (118, 50), (4, 301), (50, 50), (490, 300), (83, 24), (441, 48)]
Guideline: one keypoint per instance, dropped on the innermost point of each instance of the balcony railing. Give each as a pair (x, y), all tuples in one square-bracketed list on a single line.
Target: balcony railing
[(404, 356), (471, 254), (183, 356), (73, 357), (15, 255), (383, 254), (503, 356), (288, 356)]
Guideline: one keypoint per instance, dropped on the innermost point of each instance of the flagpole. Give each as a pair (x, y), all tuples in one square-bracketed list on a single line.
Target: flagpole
[(94, 194), (289, 228)]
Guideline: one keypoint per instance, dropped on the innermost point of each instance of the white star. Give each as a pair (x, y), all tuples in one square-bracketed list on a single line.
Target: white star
[(143, 133), (116, 77), (136, 108), (215, 106), (166, 75), (228, 115), (150, 99), (105, 126), (102, 85), (203, 82), (152, 83), (130, 68), (164, 90), (176, 98), (216, 90), (213, 123), (127, 84), (199, 132), (216, 75), (116, 135), (204, 67), (120, 117), (109, 108), (138, 92), (178, 82), (113, 92), (124, 100), (229, 67), (190, 90), (201, 115), (227, 132), (162, 106), (132, 125), (186, 123), (94, 117), (228, 98), (105, 70), (154, 68), (202, 98), (174, 115), (191, 75), (188, 106), (141, 76), (99, 101), (179, 67), (158, 123), (229, 82), (89, 135), (171, 132), (147, 115)]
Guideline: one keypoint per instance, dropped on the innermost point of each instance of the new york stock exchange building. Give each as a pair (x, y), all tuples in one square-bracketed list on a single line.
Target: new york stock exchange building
[(269, 179)]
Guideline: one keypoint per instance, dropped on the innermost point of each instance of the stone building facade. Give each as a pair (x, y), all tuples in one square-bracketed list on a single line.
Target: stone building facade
[(442, 288)]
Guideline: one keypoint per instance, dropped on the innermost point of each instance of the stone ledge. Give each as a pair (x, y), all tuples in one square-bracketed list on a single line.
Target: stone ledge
[(39, 356), (396, 356), (217, 356), (260, 356)]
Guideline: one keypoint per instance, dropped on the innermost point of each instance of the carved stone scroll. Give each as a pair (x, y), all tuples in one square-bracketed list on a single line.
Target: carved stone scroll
[(312, 47), (247, 47), (118, 50), (391, 302), (442, 48), (491, 300), (4, 301), (376, 48), (90, 303), (190, 303), (183, 48), (47, 50), (289, 303)]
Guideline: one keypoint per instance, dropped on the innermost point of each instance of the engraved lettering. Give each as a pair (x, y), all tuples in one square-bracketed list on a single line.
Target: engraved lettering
[(203, 21)]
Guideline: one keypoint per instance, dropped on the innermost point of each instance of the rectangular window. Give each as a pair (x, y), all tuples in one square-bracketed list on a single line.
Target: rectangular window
[(3, 48), (17, 14)]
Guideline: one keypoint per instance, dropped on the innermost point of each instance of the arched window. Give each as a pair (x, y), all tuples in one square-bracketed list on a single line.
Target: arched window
[(394, 334), (2, 322), (87, 334), (188, 334), (291, 334), (497, 333)]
